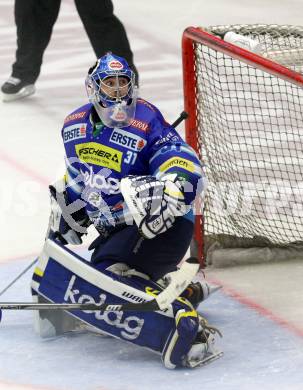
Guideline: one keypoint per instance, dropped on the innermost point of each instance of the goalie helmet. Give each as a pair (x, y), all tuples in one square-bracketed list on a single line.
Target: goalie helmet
[(110, 86)]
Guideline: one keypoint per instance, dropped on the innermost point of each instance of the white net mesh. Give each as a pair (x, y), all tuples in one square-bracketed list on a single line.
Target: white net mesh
[(250, 136)]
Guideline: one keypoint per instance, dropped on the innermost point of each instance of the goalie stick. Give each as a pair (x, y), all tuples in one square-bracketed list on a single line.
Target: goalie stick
[(182, 116), (179, 281), (19, 276), (77, 306)]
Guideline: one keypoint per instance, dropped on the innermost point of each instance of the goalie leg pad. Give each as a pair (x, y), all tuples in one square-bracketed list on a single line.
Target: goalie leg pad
[(52, 323), (181, 338), (63, 277), (192, 343)]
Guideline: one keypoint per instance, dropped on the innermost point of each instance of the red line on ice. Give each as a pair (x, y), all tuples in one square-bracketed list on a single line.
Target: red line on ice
[(258, 308), (15, 386), (23, 169), (29, 256), (33, 175)]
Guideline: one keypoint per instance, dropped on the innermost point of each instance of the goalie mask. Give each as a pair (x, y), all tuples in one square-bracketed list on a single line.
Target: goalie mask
[(110, 86)]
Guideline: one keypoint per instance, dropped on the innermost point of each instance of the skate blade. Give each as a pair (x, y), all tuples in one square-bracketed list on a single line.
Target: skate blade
[(208, 359), (23, 93), (213, 289)]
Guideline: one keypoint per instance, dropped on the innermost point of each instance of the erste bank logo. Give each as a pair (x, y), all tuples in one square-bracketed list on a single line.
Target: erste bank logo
[(127, 140), (73, 132)]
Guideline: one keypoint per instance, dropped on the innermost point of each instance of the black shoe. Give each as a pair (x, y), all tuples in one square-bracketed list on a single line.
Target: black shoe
[(15, 88)]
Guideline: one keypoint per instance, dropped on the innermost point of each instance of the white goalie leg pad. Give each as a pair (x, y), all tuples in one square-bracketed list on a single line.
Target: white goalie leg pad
[(63, 277), (49, 323), (75, 265)]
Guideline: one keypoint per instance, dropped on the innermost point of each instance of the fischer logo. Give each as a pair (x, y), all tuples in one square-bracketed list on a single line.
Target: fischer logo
[(99, 154), (113, 318), (101, 181), (116, 65)]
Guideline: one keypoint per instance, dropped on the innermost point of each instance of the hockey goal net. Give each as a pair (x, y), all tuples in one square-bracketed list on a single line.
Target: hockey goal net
[(246, 123)]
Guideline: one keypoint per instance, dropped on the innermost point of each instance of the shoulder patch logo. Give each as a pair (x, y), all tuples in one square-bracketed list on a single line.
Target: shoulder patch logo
[(177, 162), (140, 125), (73, 132), (76, 115)]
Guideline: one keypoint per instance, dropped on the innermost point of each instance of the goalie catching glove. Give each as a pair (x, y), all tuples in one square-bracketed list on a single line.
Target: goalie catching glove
[(154, 204), (67, 222)]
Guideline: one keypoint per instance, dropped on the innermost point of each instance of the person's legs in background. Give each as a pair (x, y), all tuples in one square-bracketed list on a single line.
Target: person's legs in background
[(34, 20), (104, 29)]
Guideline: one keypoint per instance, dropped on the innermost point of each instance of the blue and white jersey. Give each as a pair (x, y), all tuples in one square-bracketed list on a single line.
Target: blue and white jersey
[(98, 157)]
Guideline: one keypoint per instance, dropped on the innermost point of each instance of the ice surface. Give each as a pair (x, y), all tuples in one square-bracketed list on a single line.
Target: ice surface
[(258, 353)]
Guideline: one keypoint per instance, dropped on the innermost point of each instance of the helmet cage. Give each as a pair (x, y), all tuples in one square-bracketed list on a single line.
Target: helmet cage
[(107, 95), (114, 104)]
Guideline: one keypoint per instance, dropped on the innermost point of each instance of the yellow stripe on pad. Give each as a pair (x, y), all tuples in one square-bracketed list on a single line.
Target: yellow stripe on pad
[(38, 271), (181, 314), (177, 162)]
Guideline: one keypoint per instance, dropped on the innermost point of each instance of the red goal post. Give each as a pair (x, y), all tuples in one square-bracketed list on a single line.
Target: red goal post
[(231, 95)]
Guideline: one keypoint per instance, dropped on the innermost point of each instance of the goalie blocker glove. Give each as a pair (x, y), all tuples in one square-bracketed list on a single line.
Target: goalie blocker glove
[(154, 204)]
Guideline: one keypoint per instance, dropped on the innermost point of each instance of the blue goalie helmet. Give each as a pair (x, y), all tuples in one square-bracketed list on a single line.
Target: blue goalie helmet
[(110, 86)]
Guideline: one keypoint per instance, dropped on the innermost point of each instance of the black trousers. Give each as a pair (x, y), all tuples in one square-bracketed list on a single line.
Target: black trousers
[(154, 257), (35, 20)]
